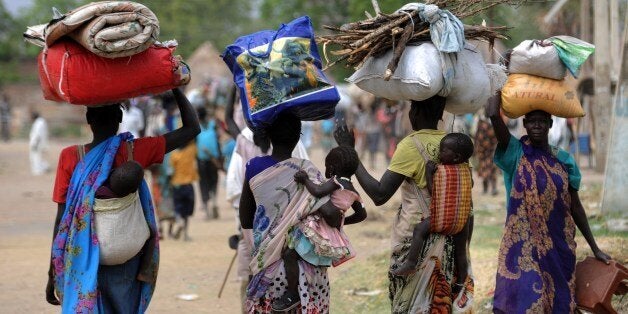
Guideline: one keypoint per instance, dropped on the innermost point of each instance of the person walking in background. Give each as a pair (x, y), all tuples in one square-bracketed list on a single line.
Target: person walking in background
[(361, 120), (132, 120), (386, 117), (485, 143), (306, 134), (5, 118), (373, 130), (184, 174), (559, 134), (209, 159), (38, 144), (327, 136), (537, 257)]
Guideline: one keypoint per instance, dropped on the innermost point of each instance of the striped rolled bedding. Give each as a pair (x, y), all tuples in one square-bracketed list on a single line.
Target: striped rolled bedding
[(109, 29)]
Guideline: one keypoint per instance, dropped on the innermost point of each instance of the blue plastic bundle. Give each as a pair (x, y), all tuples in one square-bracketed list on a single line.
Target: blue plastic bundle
[(281, 70)]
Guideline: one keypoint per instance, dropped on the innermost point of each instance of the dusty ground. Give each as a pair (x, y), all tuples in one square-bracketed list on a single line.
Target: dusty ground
[(198, 267)]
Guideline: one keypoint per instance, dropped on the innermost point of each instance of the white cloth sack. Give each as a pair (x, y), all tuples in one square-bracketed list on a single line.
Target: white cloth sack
[(418, 76), (538, 58), (121, 228), (471, 86)]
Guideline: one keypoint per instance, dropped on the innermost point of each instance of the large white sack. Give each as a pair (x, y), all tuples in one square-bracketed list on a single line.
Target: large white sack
[(471, 85), (418, 77), (538, 58)]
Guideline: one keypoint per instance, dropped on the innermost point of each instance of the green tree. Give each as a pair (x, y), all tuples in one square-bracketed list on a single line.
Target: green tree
[(39, 12), (193, 22), (7, 34)]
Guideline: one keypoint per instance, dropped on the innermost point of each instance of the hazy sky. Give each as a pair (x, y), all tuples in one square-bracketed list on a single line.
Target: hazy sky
[(14, 5)]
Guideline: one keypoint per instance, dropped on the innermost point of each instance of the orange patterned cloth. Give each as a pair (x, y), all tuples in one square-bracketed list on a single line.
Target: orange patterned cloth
[(451, 198)]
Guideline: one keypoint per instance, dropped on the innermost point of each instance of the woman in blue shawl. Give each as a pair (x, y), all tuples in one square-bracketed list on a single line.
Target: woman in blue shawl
[(76, 281), (537, 257)]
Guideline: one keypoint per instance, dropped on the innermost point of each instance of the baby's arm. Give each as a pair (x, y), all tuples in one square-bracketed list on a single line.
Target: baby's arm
[(315, 189), (359, 214)]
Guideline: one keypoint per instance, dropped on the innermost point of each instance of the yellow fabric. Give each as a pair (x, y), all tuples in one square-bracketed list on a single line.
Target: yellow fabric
[(524, 93), (183, 162), (408, 161)]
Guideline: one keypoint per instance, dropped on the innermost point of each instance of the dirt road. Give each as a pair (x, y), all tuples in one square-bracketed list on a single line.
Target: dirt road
[(196, 267)]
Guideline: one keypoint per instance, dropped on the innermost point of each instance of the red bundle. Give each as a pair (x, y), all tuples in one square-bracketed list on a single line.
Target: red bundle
[(69, 72)]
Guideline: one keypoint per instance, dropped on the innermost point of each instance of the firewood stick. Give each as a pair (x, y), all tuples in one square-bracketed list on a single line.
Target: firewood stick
[(370, 53), (376, 7), (384, 29), (401, 46)]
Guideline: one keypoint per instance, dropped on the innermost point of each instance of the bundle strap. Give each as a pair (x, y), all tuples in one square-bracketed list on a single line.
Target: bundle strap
[(419, 146), (129, 151), (80, 151)]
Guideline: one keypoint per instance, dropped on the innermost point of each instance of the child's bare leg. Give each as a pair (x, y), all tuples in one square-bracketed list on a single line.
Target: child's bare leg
[(420, 232), (462, 263), (290, 298), (290, 262)]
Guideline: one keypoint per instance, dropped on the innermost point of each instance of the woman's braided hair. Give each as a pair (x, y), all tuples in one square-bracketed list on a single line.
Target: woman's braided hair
[(345, 160)]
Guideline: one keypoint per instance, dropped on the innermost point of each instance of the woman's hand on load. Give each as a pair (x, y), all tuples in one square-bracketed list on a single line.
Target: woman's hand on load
[(493, 104), (300, 176), (343, 135), (601, 256)]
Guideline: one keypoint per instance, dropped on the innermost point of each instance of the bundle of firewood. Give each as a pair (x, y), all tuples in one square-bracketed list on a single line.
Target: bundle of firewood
[(376, 35)]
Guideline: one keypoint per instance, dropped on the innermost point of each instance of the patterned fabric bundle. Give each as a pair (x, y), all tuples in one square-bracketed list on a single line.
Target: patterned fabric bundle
[(109, 29), (451, 198)]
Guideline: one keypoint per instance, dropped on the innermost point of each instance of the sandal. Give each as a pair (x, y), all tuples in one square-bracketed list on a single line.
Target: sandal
[(286, 302)]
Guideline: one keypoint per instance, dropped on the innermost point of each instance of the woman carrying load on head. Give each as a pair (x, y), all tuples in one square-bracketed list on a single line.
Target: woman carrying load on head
[(537, 260), (77, 278), (430, 288), (271, 206)]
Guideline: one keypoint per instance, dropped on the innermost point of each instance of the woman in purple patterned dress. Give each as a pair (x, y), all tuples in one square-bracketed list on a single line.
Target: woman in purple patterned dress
[(537, 261)]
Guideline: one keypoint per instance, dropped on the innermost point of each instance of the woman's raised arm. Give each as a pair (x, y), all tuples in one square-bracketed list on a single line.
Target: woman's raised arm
[(190, 128), (379, 191), (501, 130)]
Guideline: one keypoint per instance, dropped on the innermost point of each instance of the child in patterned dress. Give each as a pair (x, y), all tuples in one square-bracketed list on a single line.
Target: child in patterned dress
[(319, 238)]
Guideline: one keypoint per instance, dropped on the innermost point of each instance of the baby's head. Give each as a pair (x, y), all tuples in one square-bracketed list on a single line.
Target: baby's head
[(126, 178), (341, 161), (455, 148)]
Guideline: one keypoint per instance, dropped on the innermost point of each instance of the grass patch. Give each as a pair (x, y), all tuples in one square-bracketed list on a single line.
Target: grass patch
[(372, 274), (368, 275)]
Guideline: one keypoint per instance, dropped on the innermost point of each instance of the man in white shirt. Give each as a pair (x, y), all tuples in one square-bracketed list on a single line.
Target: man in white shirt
[(38, 143), (132, 121)]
